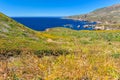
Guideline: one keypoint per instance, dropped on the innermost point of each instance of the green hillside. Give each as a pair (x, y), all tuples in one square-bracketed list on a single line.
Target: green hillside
[(57, 54), (14, 35)]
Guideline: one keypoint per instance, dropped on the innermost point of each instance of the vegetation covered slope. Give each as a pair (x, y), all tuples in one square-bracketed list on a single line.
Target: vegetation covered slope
[(107, 14), (14, 35), (66, 54), (10, 28)]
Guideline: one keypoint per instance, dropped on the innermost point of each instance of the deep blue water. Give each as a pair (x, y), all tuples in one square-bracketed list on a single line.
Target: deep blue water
[(43, 23)]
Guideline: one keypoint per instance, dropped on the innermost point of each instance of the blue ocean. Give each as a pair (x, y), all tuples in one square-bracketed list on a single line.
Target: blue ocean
[(43, 23)]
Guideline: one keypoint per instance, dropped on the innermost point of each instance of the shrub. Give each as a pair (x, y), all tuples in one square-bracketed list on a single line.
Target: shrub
[(49, 52), (117, 55)]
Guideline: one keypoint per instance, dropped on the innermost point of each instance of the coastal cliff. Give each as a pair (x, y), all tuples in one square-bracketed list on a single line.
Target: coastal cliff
[(105, 15), (109, 17)]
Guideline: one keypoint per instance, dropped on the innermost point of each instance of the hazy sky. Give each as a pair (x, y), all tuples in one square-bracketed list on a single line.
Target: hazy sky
[(51, 7)]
